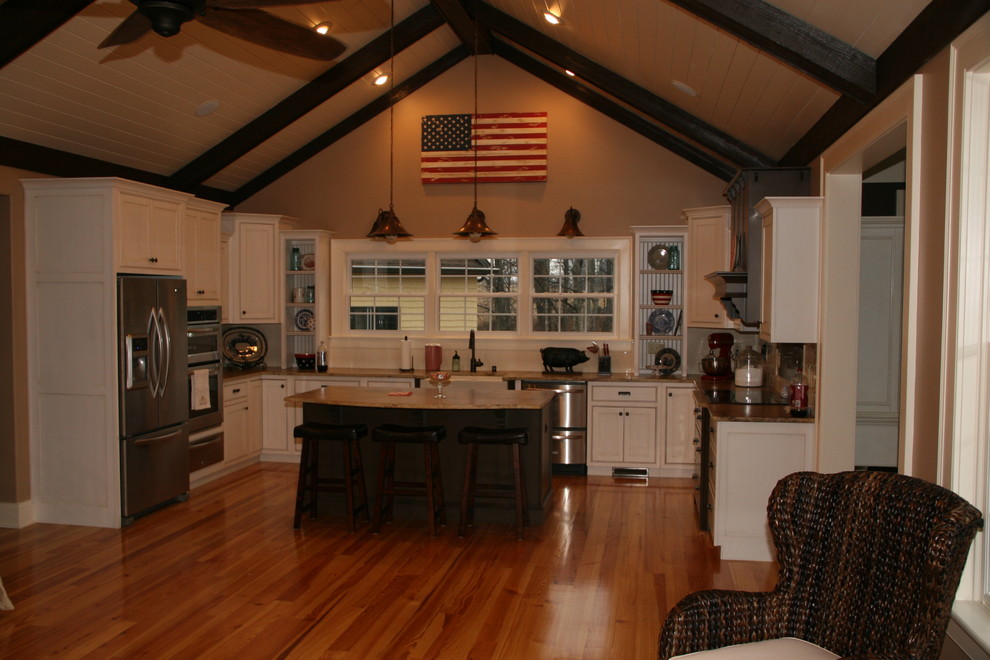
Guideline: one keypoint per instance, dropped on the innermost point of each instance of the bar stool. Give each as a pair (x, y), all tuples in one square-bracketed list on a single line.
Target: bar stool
[(389, 435), (473, 437), (312, 435)]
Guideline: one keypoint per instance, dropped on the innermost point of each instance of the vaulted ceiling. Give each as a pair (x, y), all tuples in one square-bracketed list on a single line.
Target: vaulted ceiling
[(725, 84)]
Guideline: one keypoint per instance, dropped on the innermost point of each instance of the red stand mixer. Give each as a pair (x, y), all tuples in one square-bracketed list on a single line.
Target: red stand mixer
[(717, 365)]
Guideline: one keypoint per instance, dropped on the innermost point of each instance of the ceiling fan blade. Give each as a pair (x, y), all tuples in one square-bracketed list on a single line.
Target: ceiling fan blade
[(268, 30), (248, 4), (130, 29)]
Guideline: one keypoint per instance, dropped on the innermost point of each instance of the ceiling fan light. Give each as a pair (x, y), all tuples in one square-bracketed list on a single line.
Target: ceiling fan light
[(167, 16), (552, 18)]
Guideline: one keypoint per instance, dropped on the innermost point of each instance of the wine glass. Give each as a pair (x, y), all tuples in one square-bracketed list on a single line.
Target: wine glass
[(439, 378)]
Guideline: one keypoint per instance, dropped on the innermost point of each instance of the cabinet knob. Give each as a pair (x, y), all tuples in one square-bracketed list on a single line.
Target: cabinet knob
[(670, 394), (716, 316), (153, 260), (627, 413)]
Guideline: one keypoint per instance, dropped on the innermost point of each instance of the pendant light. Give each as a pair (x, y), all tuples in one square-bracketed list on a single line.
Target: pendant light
[(570, 227), (387, 225), (474, 227)]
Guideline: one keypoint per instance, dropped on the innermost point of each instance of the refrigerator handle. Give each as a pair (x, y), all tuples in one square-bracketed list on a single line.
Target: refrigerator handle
[(154, 353), (166, 356)]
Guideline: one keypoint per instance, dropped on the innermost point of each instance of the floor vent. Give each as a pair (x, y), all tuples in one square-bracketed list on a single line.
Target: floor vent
[(631, 473)]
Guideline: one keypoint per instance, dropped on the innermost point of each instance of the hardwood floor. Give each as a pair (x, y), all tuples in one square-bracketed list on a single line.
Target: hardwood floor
[(225, 576)]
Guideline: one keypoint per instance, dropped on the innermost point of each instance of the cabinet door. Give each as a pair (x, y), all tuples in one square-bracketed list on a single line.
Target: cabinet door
[(256, 272), (202, 256), (149, 235), (235, 430), (708, 251), (276, 415), (607, 430), (640, 438), (679, 426), (255, 417)]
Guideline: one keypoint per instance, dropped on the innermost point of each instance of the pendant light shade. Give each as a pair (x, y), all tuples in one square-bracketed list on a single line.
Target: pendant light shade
[(388, 226), (570, 228), (474, 227)]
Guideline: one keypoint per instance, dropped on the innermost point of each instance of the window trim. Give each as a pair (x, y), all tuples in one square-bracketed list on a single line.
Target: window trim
[(432, 249)]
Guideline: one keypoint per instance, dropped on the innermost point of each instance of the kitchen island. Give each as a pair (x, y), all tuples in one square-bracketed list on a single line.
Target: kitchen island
[(463, 406)]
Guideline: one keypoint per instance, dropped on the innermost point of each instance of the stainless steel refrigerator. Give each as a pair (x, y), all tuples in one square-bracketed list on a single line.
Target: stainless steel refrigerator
[(154, 393)]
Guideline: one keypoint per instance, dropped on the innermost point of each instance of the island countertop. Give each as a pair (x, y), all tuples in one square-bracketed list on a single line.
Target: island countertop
[(458, 397)]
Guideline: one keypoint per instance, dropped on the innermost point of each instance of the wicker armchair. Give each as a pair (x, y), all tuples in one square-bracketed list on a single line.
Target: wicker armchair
[(869, 566)]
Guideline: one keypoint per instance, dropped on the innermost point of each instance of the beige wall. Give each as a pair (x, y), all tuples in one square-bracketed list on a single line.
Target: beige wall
[(613, 176)]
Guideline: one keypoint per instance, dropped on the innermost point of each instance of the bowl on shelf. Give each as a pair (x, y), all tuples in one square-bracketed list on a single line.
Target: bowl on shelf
[(306, 360), (661, 296)]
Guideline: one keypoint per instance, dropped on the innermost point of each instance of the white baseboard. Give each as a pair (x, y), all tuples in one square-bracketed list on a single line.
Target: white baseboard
[(15, 515)]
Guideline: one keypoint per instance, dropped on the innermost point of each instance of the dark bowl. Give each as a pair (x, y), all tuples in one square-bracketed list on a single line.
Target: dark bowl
[(306, 360)]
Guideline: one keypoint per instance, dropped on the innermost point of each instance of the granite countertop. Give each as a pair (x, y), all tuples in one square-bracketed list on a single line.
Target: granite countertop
[(363, 372), (425, 398), (738, 412)]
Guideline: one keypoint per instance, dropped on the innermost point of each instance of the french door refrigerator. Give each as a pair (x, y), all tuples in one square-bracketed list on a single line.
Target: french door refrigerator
[(154, 393)]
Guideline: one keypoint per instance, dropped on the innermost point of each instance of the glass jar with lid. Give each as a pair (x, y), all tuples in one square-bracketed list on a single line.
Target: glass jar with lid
[(749, 368)]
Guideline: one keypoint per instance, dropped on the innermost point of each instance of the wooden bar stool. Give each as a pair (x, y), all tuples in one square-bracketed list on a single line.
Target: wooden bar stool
[(389, 435), (310, 481), (473, 437)]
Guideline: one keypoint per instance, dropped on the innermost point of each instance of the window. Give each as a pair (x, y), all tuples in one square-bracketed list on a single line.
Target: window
[(573, 294), (479, 294), (388, 294)]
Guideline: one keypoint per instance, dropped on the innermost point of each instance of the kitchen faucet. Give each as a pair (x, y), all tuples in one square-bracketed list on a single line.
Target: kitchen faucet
[(475, 363)]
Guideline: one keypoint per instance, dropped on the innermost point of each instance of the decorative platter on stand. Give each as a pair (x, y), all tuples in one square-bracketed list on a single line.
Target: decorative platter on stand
[(304, 320), (244, 347), (658, 257), (667, 361)]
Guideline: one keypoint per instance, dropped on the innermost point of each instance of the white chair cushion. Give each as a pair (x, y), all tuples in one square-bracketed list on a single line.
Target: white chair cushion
[(787, 648)]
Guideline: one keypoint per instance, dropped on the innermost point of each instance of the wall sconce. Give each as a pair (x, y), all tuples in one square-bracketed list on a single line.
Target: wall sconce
[(570, 227)]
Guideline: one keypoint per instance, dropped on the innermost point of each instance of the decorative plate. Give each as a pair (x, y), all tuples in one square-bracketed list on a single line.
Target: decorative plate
[(662, 321), (244, 346), (658, 257), (304, 320), (309, 261), (668, 360)]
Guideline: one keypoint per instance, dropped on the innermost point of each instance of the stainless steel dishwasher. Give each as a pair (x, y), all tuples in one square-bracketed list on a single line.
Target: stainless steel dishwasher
[(569, 432)]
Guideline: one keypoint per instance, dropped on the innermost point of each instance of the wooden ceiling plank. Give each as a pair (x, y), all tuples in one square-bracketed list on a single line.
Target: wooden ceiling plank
[(933, 29), (351, 123), (818, 54), (23, 23), (637, 97), (465, 27), (617, 112), (305, 99)]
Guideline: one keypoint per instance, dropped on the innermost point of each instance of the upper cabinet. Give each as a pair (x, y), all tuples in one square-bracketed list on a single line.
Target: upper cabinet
[(708, 244), (659, 319), (148, 229), (789, 309), (201, 252), (254, 263)]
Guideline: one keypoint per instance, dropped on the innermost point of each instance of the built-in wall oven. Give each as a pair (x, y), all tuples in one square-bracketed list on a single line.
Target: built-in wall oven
[(203, 338)]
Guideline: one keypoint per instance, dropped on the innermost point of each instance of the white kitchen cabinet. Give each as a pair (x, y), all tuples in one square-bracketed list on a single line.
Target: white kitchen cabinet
[(677, 401), (254, 261), (751, 457), (709, 237), (307, 322), (277, 442), (149, 231), (789, 307), (236, 407), (201, 252), (659, 326), (623, 431)]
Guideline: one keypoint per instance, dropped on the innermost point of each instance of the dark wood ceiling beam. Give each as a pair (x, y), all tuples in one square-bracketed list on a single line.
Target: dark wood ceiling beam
[(297, 104), (656, 108), (23, 23), (933, 30), (359, 118), (803, 46), (465, 27), (616, 111)]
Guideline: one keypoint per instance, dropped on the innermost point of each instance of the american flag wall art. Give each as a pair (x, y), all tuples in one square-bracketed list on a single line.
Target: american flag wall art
[(512, 147)]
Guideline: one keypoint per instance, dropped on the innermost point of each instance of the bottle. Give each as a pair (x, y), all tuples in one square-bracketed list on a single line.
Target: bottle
[(321, 357), (295, 259), (455, 362), (674, 258), (797, 396)]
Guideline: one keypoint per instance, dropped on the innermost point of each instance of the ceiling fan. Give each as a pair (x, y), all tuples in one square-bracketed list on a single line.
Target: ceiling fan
[(240, 18)]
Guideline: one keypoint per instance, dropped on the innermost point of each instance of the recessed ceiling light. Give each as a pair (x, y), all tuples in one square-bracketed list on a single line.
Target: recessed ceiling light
[(207, 107), (552, 18), (380, 79), (687, 89), (324, 27), (569, 72)]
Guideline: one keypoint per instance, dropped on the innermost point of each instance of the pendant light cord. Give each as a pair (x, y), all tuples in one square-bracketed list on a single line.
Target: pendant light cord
[(474, 119), (391, 110)]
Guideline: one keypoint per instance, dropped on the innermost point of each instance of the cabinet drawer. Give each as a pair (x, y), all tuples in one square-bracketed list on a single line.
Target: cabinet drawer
[(235, 391), (623, 394)]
